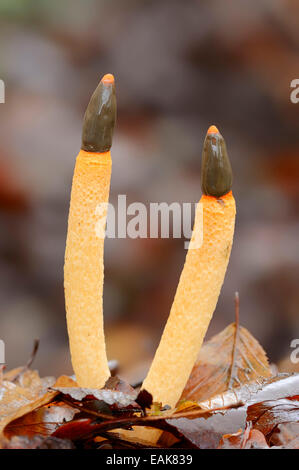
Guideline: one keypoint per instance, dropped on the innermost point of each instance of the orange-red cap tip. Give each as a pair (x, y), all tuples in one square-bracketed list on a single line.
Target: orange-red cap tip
[(108, 78), (213, 130)]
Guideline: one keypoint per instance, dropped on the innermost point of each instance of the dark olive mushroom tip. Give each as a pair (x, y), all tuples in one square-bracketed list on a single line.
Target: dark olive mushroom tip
[(216, 171), (100, 116)]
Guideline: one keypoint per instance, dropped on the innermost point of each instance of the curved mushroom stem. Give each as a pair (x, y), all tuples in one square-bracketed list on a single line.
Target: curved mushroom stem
[(84, 265), (200, 282)]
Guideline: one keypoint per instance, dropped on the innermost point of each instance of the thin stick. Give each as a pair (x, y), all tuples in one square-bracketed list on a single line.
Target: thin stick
[(236, 339), (29, 362)]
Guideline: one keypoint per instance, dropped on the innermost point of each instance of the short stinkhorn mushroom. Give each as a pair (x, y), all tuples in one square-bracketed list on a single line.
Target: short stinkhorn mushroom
[(200, 282), (84, 265)]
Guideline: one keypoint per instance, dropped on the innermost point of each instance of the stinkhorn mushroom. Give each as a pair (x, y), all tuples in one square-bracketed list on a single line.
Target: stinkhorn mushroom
[(200, 282), (84, 265)]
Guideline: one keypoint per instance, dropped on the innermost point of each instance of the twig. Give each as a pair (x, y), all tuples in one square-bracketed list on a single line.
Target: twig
[(236, 339), (33, 354), (111, 422), (29, 362)]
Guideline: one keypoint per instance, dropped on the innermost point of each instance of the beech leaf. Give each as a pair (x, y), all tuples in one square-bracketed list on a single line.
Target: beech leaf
[(43, 420), (211, 374), (266, 415), (206, 432), (29, 393)]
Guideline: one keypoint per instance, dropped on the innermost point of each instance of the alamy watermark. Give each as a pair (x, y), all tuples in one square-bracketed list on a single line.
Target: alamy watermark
[(156, 220), (294, 356), (2, 91), (294, 96), (2, 352)]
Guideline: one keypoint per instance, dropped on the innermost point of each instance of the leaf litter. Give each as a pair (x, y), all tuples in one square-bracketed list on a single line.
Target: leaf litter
[(231, 401)]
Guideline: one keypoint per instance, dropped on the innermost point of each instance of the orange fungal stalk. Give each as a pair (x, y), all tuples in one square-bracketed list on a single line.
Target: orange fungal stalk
[(200, 282), (84, 266)]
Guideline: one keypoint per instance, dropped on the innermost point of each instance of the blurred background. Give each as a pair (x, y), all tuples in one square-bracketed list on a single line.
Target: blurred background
[(180, 66)]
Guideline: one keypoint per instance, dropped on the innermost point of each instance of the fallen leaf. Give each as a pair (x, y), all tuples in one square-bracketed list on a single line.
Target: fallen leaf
[(100, 424), (17, 400), (43, 420), (211, 373), (266, 415), (76, 429), (79, 429), (207, 431), (199, 427)]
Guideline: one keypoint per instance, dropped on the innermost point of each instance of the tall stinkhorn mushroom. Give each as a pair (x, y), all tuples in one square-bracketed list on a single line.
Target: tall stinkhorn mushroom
[(84, 266), (201, 279)]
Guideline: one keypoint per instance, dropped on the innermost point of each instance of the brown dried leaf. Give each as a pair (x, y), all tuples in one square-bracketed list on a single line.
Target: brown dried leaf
[(86, 427), (206, 431), (196, 426), (266, 415), (212, 372), (16, 400), (44, 420), (76, 429), (99, 424)]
